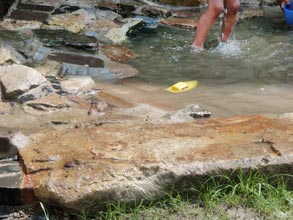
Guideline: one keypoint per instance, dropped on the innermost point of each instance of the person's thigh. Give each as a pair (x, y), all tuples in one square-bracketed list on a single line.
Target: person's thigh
[(216, 4), (231, 4)]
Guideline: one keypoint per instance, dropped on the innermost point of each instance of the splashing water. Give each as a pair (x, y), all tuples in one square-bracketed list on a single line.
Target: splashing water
[(230, 48)]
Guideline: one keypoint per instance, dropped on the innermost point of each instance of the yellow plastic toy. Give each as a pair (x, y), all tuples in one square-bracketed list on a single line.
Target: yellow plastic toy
[(183, 86)]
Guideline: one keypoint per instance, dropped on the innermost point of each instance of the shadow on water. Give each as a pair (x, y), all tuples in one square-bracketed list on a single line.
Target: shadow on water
[(259, 59)]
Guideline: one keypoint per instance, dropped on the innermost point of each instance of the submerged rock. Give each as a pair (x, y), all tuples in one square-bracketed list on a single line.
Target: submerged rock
[(118, 53), (181, 22)]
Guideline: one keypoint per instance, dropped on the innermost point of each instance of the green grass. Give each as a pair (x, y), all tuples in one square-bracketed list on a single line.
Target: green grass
[(264, 196)]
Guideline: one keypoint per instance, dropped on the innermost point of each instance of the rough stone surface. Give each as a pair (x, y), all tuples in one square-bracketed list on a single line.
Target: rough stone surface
[(75, 22), (47, 104), (75, 84), (17, 79), (130, 161), (36, 93)]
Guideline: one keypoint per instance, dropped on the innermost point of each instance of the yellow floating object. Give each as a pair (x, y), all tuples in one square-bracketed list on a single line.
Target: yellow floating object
[(183, 86)]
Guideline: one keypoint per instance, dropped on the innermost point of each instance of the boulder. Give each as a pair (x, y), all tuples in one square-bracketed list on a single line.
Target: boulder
[(17, 79)]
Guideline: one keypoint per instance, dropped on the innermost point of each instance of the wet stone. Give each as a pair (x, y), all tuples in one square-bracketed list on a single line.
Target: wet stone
[(29, 15), (63, 9), (181, 22), (126, 10), (118, 53), (154, 11), (32, 7), (89, 61), (57, 38), (185, 14)]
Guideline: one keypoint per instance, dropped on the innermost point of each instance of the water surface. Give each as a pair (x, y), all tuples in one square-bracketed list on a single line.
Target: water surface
[(251, 74)]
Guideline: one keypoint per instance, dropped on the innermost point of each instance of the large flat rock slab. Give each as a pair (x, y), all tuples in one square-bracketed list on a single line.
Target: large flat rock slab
[(82, 167)]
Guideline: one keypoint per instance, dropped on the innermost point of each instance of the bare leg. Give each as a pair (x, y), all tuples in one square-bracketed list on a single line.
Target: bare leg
[(229, 19), (215, 8)]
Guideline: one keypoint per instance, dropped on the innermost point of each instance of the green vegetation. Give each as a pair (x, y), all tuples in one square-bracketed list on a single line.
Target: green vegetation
[(246, 195)]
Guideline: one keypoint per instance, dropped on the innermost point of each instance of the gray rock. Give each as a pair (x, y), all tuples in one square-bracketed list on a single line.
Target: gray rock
[(107, 14), (18, 79), (189, 113)]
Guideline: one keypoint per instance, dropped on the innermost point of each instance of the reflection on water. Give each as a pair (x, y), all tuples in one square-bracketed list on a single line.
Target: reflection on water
[(261, 56)]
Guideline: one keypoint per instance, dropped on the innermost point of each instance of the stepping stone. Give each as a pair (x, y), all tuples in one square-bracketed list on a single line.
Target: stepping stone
[(32, 7), (58, 38), (90, 61), (29, 15), (181, 22)]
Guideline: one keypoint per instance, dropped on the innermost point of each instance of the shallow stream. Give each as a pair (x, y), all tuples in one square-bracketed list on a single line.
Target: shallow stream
[(251, 74)]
